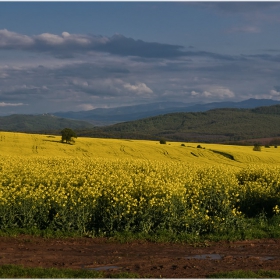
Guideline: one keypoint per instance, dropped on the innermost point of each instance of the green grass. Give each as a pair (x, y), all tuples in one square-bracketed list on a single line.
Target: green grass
[(47, 233), (18, 271), (254, 228), (123, 275), (245, 274)]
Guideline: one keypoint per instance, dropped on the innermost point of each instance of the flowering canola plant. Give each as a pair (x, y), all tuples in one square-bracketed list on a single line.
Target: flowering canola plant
[(100, 195)]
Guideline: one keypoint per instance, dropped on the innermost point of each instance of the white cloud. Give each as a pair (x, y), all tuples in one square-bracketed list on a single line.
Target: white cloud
[(4, 104), (109, 86), (207, 94), (214, 92), (244, 29), (138, 88), (80, 82), (66, 38), (50, 39), (194, 93), (85, 107), (275, 93), (14, 40), (222, 92)]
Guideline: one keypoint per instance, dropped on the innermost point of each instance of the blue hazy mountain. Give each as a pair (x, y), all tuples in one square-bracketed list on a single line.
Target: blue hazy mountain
[(106, 116)]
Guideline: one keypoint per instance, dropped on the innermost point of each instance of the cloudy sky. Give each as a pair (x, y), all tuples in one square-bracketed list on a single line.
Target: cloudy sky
[(73, 56)]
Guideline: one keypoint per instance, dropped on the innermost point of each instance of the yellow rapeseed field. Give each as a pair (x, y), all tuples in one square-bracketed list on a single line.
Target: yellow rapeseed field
[(34, 145), (106, 185)]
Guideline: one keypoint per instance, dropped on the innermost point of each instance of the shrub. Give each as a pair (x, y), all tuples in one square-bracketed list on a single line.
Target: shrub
[(257, 147), (162, 141)]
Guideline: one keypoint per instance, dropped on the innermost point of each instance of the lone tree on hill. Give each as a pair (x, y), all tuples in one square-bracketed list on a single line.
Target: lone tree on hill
[(67, 135)]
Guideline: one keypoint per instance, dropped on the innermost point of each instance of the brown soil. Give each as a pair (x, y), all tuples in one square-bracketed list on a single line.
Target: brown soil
[(144, 258)]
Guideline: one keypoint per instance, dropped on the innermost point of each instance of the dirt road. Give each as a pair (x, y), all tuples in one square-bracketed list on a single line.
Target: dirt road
[(145, 258)]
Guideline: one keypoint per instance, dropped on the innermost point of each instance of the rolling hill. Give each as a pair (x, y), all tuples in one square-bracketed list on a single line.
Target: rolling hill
[(218, 125), (212, 126), (39, 123), (38, 146)]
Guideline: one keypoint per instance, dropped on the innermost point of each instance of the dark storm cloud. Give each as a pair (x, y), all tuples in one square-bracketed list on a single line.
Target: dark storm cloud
[(66, 45), (121, 45)]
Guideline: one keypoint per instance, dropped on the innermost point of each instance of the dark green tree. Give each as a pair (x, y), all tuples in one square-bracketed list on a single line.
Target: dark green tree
[(257, 147), (67, 135)]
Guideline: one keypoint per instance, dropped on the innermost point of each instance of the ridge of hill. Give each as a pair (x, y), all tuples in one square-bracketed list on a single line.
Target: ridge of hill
[(39, 123)]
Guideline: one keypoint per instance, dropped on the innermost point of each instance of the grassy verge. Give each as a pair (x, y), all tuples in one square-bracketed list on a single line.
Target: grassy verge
[(245, 274), (253, 228), (17, 271)]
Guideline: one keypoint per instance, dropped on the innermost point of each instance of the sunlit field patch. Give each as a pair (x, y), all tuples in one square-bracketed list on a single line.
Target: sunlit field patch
[(33, 145)]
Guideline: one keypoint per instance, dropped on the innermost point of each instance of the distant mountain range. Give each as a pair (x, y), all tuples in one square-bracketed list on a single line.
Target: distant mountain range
[(108, 116)]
